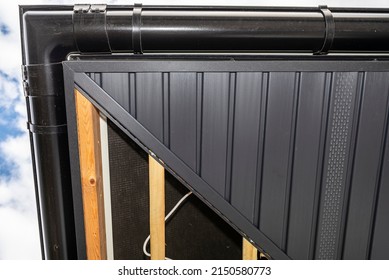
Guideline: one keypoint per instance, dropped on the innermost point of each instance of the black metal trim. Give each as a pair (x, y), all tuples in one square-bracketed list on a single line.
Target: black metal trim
[(147, 63), (74, 163)]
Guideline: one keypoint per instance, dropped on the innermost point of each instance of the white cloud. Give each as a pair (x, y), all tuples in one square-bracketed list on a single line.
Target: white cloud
[(18, 237), (9, 89), (18, 188)]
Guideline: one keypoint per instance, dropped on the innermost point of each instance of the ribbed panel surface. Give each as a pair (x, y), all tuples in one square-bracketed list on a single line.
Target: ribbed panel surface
[(301, 155)]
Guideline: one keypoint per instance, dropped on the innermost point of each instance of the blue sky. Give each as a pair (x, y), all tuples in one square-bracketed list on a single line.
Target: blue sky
[(7, 127), (17, 206), (19, 238)]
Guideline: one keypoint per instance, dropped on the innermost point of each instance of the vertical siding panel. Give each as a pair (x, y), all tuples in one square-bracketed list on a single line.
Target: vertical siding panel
[(380, 245), (199, 121), (245, 142), (149, 102), (344, 92), (132, 94), (367, 163), (350, 163), (321, 164), (289, 177), (166, 110), (95, 77), (183, 95), (230, 135), (276, 154), (305, 165), (261, 147), (118, 87), (214, 132)]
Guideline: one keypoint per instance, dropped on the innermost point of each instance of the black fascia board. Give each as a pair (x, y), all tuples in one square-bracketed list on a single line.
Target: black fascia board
[(50, 33)]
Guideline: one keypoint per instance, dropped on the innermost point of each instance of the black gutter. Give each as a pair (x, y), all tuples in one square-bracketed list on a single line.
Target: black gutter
[(51, 33)]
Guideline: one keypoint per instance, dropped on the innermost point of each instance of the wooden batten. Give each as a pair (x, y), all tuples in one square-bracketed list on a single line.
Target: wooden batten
[(157, 209), (88, 128), (249, 252)]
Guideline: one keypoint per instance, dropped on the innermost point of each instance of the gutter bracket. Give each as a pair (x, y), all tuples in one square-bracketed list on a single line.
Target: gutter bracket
[(136, 29), (40, 85), (90, 28), (329, 30)]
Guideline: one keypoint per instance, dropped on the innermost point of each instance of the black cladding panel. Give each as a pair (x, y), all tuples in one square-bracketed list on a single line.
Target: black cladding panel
[(214, 127), (308, 154), (301, 154)]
